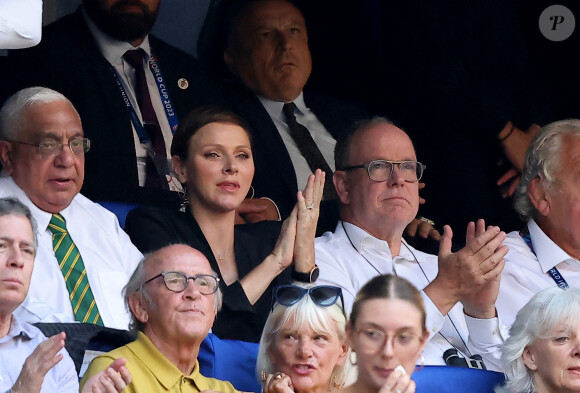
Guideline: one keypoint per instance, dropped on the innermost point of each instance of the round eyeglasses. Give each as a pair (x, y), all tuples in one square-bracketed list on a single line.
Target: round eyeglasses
[(373, 340), (50, 147), (177, 282), (382, 170)]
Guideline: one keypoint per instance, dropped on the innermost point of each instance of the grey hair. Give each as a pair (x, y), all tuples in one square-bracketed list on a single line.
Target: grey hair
[(11, 112), (303, 314), (547, 312), (543, 160), (136, 285), (342, 148), (13, 207)]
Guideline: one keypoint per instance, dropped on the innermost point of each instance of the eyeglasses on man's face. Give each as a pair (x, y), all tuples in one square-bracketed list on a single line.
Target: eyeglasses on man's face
[(51, 147), (206, 284), (372, 340), (382, 170)]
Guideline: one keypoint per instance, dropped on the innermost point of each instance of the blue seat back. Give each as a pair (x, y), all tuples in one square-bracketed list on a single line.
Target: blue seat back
[(449, 379), (230, 360)]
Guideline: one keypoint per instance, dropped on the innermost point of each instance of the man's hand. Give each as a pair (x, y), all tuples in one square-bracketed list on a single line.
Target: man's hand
[(471, 272), (255, 210), (113, 379), (481, 303), (508, 182), (423, 228), (35, 367), (421, 200), (514, 145)]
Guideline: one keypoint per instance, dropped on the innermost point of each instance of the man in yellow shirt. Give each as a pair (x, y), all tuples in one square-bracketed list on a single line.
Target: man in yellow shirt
[(173, 297)]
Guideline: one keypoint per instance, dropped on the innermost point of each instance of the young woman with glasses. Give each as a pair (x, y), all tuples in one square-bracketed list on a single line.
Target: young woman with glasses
[(303, 347), (387, 333), (212, 156)]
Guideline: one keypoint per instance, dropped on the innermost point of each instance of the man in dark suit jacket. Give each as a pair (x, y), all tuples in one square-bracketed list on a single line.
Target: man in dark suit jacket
[(70, 60), (268, 51)]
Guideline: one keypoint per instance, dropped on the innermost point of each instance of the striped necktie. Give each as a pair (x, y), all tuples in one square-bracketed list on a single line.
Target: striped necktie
[(73, 269)]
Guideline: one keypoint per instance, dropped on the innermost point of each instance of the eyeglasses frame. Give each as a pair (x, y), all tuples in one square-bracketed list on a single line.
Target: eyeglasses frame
[(162, 274), (368, 165)]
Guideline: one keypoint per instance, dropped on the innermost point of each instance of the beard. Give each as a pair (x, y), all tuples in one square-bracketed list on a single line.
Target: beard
[(120, 24)]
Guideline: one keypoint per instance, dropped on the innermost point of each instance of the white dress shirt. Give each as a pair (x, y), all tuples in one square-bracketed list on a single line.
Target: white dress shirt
[(108, 254), (21, 340), (323, 139), (20, 23), (526, 273), (343, 264), (113, 51)]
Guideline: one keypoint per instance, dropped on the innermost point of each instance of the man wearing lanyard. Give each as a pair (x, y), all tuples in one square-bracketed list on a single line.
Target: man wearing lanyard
[(377, 181), (130, 89), (546, 251)]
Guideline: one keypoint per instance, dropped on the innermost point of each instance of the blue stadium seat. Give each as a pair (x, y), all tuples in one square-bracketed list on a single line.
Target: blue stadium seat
[(449, 379)]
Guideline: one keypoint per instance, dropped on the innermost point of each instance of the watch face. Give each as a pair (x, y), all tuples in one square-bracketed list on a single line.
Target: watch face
[(314, 274)]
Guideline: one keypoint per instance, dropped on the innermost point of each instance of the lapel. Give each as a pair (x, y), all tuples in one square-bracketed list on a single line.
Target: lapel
[(268, 144), (113, 125)]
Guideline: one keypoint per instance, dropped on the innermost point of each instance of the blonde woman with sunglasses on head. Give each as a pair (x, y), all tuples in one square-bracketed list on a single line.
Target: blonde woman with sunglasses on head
[(303, 347)]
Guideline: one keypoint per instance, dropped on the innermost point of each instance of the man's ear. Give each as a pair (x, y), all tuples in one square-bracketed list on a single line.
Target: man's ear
[(539, 197), (341, 185), (179, 169), (6, 157), (529, 359), (139, 306)]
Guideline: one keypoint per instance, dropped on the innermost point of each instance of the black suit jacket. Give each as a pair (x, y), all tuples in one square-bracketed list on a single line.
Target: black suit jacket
[(68, 60), (274, 175)]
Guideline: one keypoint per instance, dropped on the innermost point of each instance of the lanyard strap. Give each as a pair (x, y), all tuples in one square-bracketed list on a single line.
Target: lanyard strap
[(163, 93), (554, 273)]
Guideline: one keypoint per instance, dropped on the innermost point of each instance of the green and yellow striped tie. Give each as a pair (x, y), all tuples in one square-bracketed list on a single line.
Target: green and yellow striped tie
[(73, 269)]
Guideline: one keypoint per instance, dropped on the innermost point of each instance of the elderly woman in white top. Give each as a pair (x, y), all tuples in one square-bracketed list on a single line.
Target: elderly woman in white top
[(542, 354)]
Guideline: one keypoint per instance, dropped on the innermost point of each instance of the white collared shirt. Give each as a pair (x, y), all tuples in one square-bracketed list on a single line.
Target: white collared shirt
[(107, 252), (113, 50), (526, 273), (21, 340), (20, 23), (343, 264), (323, 139)]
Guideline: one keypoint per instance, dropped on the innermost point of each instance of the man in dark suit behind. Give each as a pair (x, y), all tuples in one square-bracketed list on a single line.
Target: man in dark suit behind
[(81, 56), (267, 50)]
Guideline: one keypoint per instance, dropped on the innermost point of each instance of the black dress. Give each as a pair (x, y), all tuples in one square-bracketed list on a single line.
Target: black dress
[(151, 229)]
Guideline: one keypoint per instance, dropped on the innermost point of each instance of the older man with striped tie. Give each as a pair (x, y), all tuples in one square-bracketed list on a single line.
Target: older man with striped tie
[(84, 258)]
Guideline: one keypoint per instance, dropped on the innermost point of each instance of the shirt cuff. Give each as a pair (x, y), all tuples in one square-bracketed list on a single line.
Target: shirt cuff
[(435, 319)]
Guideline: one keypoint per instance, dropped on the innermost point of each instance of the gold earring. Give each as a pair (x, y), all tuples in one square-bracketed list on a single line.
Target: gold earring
[(338, 385), (422, 362), (263, 375)]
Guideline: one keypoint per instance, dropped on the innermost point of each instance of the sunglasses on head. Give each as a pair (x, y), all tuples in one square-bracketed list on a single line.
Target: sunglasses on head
[(322, 295)]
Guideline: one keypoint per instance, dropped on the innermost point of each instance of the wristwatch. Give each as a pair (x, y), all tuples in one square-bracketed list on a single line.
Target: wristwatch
[(311, 276)]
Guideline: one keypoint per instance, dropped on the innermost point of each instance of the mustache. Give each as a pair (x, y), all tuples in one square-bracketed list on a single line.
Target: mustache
[(124, 3)]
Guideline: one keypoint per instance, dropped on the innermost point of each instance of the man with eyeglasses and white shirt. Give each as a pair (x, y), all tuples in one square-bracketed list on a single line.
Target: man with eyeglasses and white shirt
[(377, 184), (84, 258)]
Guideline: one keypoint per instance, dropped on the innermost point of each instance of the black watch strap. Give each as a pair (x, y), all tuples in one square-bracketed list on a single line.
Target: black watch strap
[(309, 277)]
